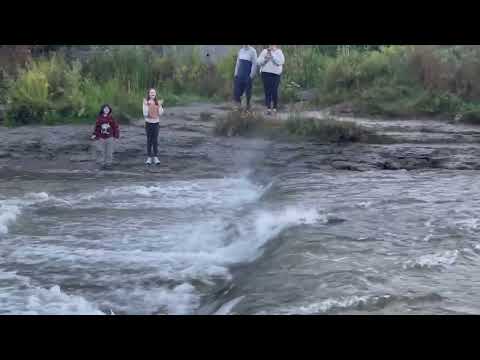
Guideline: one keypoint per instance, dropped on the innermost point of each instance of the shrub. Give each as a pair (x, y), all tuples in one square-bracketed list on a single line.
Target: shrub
[(343, 71), (289, 92), (470, 113), (238, 123), (329, 130), (47, 89), (439, 103), (305, 65), (223, 80), (130, 65)]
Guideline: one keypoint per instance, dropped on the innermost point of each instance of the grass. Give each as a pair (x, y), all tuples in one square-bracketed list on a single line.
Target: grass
[(237, 123), (296, 127), (329, 130)]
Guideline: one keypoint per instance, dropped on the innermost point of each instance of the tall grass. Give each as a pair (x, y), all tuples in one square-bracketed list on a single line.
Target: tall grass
[(330, 130), (51, 90), (384, 80)]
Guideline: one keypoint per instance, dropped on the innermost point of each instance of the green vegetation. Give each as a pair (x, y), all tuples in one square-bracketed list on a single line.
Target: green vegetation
[(426, 80), (394, 80), (52, 90), (237, 123), (324, 130), (330, 130)]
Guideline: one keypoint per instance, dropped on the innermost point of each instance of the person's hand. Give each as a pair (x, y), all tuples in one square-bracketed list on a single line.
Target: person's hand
[(93, 137)]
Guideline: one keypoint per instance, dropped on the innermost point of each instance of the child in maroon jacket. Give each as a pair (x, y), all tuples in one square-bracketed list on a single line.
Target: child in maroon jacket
[(106, 130)]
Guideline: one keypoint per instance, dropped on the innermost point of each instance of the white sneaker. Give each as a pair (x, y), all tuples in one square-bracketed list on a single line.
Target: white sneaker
[(149, 161), (156, 161)]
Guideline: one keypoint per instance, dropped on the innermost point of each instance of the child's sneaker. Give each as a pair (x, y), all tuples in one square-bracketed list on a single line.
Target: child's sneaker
[(274, 111), (149, 161), (269, 112), (156, 161)]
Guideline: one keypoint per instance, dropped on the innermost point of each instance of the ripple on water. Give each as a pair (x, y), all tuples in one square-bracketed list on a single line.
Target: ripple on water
[(439, 260), (362, 303)]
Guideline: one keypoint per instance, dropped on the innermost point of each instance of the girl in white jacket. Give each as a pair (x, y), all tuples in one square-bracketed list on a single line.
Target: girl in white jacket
[(271, 62)]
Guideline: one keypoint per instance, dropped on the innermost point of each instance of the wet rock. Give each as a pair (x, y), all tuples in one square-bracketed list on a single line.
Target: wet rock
[(81, 158), (390, 165), (346, 165), (186, 140)]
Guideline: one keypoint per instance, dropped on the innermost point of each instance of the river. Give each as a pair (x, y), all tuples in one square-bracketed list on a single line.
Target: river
[(240, 226)]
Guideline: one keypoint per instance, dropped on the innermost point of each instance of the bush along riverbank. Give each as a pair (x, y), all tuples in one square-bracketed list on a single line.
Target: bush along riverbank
[(385, 81), (53, 90), (402, 81), (295, 127)]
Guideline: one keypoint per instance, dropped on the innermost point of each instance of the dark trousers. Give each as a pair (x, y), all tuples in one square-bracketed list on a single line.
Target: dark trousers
[(152, 138), (242, 86), (270, 86)]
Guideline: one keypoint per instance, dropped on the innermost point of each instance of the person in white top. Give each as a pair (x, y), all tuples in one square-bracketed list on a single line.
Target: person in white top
[(152, 110), (271, 61), (245, 70)]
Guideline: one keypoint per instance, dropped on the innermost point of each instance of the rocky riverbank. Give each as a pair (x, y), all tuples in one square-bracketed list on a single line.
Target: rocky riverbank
[(416, 144)]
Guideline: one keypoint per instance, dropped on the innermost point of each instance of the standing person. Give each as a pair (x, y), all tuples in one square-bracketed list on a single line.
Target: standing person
[(105, 131), (271, 62), (152, 110), (245, 70)]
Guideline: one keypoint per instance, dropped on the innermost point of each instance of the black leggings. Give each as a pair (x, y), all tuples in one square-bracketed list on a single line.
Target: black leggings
[(270, 86), (242, 86), (152, 138)]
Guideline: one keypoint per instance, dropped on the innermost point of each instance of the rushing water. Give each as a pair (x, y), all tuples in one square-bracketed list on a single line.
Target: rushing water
[(305, 243), (237, 226)]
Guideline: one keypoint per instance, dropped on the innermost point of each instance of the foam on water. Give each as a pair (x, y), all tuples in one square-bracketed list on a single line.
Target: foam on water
[(8, 215), (177, 253), (365, 204), (324, 306), (358, 303), (54, 301), (205, 252), (442, 259), (182, 299), (19, 297), (203, 256), (265, 226), (10, 209), (176, 194)]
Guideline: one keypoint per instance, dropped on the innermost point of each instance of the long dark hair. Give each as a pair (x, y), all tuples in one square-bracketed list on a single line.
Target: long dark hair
[(148, 96), (103, 107)]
